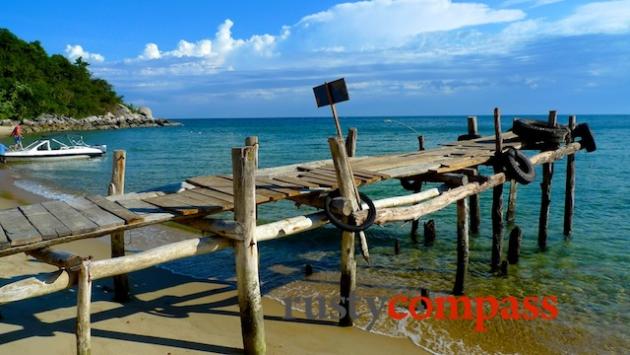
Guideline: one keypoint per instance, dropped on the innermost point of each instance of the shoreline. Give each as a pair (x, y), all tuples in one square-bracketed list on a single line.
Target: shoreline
[(169, 312)]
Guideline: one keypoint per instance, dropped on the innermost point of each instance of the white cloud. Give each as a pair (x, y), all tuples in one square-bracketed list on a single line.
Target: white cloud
[(213, 52), (609, 17), (533, 3), (151, 51), (379, 24), (75, 51)]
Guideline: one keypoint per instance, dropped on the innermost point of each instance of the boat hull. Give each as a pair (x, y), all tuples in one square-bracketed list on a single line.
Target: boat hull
[(49, 156)]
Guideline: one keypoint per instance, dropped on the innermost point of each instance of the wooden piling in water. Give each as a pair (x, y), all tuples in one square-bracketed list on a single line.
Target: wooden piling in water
[(117, 187), (462, 244), (416, 222), (569, 194), (246, 250), (497, 197), (84, 298), (510, 215), (545, 186), (473, 201), (514, 246), (429, 232), (348, 265), (351, 142)]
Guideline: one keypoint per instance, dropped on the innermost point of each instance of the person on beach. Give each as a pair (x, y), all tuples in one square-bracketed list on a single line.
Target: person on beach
[(17, 135), (3, 150)]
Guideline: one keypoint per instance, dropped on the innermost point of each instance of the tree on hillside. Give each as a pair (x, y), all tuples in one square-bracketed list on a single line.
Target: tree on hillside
[(33, 83)]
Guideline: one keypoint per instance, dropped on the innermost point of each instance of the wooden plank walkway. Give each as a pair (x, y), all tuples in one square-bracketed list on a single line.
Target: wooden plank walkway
[(54, 222)]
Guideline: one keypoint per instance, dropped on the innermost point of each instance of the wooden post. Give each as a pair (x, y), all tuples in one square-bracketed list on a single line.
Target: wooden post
[(569, 194), (351, 142), (84, 295), (514, 247), (415, 223), (429, 232), (117, 187), (497, 197), (462, 245), (475, 216), (510, 215), (246, 250), (252, 141), (545, 200), (333, 109), (348, 263)]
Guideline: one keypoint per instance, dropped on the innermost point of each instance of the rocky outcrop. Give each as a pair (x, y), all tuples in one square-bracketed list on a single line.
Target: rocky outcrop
[(121, 118)]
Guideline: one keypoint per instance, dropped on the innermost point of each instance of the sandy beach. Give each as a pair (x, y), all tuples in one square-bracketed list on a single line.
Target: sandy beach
[(168, 314)]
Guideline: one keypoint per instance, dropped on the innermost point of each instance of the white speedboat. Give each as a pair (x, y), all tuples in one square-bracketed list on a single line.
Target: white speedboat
[(52, 149)]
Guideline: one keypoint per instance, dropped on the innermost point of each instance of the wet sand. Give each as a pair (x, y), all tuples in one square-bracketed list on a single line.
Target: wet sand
[(168, 314)]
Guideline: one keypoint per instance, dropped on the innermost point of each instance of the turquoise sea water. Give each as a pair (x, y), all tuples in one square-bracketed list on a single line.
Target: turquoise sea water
[(588, 273)]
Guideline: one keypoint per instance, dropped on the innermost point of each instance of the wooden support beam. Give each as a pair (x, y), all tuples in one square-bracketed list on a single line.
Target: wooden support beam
[(473, 201), (569, 191), (57, 258), (246, 250), (117, 187), (84, 299), (497, 197), (462, 246), (416, 223), (221, 227), (351, 142), (347, 189), (545, 186), (510, 215)]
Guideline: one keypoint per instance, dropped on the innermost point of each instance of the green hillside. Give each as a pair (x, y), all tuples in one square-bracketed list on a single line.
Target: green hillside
[(32, 83)]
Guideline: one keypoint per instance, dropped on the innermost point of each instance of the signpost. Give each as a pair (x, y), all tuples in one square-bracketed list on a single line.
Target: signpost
[(330, 94)]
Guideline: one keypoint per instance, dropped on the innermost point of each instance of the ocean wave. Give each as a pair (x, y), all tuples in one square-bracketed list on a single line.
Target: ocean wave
[(44, 191)]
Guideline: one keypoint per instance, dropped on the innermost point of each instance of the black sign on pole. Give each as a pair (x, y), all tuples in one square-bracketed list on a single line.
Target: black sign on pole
[(330, 94), (338, 92)]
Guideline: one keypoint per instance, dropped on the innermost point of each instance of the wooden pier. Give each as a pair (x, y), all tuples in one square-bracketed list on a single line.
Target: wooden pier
[(34, 228)]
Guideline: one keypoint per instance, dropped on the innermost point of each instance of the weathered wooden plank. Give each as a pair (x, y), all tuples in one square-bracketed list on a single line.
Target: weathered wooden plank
[(209, 199), (358, 180), (209, 181), (295, 180), (273, 195), (4, 241), (318, 181), (148, 211), (71, 218), (96, 214), (17, 228), (115, 209), (265, 183), (169, 202), (318, 177), (221, 196), (46, 224)]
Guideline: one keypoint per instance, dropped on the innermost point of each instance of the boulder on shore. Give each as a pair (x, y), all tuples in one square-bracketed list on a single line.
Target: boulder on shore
[(122, 117)]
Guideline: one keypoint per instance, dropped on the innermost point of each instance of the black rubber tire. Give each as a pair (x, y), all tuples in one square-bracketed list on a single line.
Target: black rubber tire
[(518, 167), (339, 223), (587, 141), (533, 131), (466, 137), (411, 183)]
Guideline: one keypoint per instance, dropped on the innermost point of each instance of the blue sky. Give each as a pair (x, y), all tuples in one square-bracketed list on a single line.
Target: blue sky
[(399, 57)]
